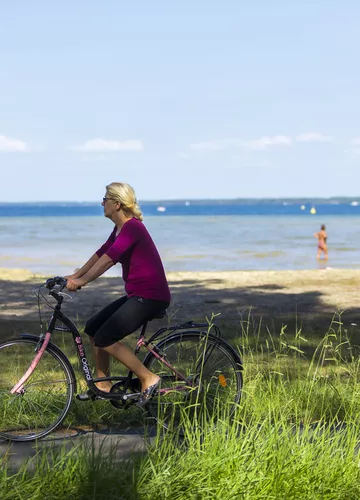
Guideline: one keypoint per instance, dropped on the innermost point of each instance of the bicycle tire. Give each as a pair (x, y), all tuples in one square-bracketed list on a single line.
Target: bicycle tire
[(47, 394), (180, 406)]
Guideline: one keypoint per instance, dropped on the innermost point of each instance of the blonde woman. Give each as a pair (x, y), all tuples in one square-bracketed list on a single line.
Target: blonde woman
[(147, 290)]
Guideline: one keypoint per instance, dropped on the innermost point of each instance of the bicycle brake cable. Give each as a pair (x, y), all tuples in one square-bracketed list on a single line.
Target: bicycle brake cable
[(39, 309), (39, 294)]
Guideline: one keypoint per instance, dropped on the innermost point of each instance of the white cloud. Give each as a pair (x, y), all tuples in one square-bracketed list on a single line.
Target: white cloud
[(265, 142), (10, 145), (356, 141), (109, 146), (313, 137), (269, 141), (262, 143)]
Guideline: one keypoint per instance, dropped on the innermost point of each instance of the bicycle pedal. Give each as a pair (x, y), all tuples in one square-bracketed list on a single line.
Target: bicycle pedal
[(86, 396), (135, 395)]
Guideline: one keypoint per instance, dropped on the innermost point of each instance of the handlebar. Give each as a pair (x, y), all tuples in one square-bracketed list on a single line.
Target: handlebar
[(55, 287), (51, 283), (57, 280)]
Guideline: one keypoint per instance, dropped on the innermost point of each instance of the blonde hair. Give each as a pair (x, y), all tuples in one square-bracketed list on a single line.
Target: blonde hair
[(125, 195)]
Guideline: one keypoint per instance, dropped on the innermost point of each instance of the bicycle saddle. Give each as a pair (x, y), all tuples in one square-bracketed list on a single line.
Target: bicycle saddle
[(159, 315)]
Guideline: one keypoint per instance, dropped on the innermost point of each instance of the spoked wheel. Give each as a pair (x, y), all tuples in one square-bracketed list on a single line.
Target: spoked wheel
[(213, 384), (45, 398)]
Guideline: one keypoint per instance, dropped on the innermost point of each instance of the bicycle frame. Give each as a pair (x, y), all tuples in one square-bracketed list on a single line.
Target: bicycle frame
[(68, 326)]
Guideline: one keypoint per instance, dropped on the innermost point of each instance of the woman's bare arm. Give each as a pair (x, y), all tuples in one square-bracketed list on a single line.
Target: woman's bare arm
[(85, 268), (99, 268), (101, 265)]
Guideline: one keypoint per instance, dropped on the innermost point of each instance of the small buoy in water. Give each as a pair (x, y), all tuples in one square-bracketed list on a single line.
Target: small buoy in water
[(313, 211), (161, 209), (354, 203), (302, 207)]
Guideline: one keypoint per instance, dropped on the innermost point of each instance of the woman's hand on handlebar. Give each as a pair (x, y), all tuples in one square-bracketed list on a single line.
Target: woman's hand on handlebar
[(71, 276), (74, 284)]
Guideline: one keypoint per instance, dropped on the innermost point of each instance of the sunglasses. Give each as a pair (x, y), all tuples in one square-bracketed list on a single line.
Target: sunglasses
[(106, 199)]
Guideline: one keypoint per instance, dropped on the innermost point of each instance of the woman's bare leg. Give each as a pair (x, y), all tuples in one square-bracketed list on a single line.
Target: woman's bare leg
[(102, 363), (123, 354)]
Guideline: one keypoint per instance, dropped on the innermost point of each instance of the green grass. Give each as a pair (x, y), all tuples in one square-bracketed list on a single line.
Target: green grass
[(295, 435)]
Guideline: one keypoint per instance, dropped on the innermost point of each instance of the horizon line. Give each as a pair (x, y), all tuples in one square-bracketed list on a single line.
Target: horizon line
[(172, 200)]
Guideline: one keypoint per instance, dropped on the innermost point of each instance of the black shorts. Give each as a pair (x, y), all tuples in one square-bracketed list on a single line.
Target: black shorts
[(120, 318)]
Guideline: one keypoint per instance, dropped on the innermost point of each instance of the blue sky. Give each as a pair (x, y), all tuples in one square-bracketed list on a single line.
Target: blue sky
[(190, 99)]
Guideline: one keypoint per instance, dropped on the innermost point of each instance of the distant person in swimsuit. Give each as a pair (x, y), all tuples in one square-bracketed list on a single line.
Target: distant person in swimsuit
[(321, 236)]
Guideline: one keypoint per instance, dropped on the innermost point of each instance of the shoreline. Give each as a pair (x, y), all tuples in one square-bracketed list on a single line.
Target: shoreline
[(16, 273), (310, 297)]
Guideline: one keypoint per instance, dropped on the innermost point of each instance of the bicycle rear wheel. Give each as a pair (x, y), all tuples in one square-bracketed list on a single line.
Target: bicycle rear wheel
[(213, 383), (45, 398)]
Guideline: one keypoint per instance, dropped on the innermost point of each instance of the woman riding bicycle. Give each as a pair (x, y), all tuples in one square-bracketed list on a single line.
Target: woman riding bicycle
[(147, 290)]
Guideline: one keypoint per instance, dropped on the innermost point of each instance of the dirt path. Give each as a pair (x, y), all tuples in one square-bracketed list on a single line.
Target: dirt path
[(124, 444)]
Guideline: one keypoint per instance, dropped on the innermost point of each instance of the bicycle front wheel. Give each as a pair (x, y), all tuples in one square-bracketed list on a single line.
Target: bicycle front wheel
[(45, 398), (212, 385)]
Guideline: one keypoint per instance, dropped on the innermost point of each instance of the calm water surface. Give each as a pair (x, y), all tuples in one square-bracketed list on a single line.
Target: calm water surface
[(58, 245)]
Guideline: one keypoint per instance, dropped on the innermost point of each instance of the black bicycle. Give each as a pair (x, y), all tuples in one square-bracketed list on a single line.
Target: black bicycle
[(201, 375)]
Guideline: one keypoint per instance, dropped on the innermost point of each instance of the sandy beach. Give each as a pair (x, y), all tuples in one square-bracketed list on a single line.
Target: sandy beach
[(310, 298)]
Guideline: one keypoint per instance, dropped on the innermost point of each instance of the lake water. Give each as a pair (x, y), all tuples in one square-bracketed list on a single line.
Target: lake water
[(280, 237)]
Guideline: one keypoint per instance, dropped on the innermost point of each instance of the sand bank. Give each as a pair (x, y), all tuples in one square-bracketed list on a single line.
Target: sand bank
[(310, 296)]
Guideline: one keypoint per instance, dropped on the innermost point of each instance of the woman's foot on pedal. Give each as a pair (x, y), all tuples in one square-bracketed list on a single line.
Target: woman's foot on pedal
[(89, 395), (148, 393)]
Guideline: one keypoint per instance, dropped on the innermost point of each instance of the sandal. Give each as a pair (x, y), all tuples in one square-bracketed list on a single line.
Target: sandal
[(146, 395)]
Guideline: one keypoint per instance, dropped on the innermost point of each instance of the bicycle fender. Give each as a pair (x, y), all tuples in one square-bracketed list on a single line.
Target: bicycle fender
[(53, 347), (187, 333), (221, 340)]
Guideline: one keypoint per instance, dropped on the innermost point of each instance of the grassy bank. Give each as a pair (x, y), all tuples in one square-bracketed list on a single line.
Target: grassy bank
[(314, 379), (267, 460), (295, 436)]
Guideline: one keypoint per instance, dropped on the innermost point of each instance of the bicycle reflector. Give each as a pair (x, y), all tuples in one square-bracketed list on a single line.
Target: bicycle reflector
[(222, 380)]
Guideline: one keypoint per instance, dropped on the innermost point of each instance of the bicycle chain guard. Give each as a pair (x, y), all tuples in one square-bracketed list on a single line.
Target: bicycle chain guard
[(118, 388)]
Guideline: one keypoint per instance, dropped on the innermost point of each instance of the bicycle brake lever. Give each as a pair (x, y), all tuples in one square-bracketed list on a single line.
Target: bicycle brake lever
[(65, 295)]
